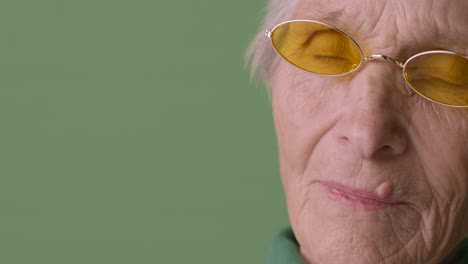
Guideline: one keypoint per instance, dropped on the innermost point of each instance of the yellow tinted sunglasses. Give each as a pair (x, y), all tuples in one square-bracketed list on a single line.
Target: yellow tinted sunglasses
[(438, 75)]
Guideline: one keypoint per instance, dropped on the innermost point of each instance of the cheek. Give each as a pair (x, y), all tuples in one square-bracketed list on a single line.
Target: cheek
[(440, 139), (303, 109)]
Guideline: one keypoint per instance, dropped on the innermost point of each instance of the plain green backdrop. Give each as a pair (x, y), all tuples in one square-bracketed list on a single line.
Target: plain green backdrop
[(130, 133)]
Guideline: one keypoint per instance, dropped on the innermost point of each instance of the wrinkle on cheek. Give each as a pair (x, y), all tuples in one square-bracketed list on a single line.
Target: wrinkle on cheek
[(440, 139), (304, 107), (439, 225), (311, 99), (303, 208), (309, 148), (436, 129), (310, 92), (293, 90)]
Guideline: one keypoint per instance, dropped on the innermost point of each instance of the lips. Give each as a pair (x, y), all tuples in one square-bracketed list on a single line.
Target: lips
[(368, 199)]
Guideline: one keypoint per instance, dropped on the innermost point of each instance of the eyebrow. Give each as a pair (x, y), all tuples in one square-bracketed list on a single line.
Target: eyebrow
[(321, 13), (342, 19), (338, 18)]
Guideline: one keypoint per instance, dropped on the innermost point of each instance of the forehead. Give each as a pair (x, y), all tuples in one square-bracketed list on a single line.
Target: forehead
[(396, 26)]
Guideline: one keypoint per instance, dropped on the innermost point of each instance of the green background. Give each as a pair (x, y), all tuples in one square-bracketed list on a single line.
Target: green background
[(130, 133)]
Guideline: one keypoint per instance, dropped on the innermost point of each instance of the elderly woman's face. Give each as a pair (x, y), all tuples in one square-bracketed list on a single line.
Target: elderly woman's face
[(372, 173)]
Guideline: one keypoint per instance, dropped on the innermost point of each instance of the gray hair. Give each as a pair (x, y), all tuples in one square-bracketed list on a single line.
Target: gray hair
[(260, 55)]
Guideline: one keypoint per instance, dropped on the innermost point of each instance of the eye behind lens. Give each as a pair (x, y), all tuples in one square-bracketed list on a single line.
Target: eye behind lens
[(316, 47), (440, 76)]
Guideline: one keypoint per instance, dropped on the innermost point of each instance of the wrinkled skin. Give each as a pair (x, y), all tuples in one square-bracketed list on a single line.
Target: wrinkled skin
[(367, 131)]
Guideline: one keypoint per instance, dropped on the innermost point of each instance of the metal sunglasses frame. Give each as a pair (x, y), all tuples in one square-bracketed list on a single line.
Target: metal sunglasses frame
[(364, 59)]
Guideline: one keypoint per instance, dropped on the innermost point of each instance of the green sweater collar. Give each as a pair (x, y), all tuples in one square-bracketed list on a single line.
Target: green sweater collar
[(285, 249)]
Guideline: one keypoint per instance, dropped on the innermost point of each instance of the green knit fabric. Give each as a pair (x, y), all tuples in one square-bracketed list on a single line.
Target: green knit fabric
[(285, 249), (463, 255)]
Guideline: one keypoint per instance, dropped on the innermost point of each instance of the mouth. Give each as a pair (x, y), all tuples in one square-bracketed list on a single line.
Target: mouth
[(358, 198)]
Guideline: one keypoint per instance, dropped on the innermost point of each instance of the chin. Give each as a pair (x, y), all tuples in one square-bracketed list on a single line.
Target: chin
[(332, 230)]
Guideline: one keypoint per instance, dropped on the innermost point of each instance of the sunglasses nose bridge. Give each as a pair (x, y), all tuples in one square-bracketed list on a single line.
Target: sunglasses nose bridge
[(393, 61), (384, 57)]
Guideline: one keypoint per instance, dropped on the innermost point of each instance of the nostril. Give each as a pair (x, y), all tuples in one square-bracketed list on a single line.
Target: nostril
[(385, 149), (345, 139)]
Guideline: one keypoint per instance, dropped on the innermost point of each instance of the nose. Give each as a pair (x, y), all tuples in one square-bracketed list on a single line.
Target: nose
[(372, 119)]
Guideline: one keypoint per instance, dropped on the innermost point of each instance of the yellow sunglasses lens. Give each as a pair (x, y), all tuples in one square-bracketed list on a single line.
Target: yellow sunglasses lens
[(316, 47), (439, 76)]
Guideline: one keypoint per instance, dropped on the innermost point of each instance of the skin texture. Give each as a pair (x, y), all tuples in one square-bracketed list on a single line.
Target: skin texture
[(366, 131)]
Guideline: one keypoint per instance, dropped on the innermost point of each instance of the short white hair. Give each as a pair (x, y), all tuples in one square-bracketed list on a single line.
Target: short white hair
[(260, 55)]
